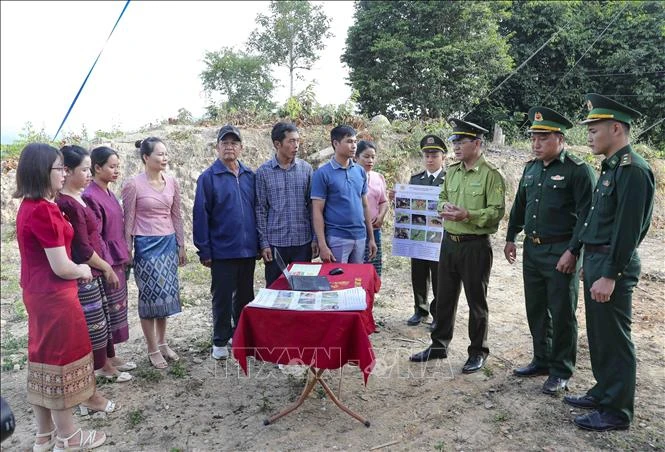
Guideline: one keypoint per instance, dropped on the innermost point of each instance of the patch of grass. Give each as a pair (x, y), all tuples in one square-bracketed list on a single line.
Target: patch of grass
[(181, 135), (501, 416), (135, 417), (178, 370), (148, 373), (440, 446), (19, 311), (203, 345), (488, 371), (12, 344)]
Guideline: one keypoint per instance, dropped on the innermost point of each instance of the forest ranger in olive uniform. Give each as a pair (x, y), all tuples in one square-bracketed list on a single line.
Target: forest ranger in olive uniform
[(551, 205)]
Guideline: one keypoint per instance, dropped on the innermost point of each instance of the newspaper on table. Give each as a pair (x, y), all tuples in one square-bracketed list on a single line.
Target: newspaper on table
[(333, 300), (418, 227)]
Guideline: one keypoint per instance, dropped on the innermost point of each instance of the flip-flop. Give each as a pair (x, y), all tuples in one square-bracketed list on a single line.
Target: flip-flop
[(129, 365), (120, 377)]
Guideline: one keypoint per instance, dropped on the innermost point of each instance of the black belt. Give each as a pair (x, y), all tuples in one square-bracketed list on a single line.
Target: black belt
[(552, 239), (465, 237), (600, 249)]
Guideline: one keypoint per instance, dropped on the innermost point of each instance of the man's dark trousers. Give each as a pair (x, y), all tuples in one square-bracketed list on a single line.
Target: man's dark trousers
[(608, 328), (300, 253), (465, 263), (422, 273), (551, 302), (232, 288)]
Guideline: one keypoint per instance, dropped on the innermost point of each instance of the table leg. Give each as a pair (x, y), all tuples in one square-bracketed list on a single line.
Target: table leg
[(305, 392), (316, 377)]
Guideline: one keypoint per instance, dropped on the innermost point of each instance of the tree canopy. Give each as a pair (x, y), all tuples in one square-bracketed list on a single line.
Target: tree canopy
[(425, 59), (244, 79), (291, 35)]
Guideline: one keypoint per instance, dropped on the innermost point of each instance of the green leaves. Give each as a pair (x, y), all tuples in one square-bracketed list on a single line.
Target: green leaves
[(244, 79)]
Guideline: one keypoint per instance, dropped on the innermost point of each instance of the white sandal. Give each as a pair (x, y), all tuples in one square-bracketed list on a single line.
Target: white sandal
[(120, 377), (111, 407), (84, 444), (48, 445), (170, 354)]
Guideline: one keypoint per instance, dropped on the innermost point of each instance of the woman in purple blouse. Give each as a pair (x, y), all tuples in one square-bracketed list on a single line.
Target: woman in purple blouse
[(105, 166)]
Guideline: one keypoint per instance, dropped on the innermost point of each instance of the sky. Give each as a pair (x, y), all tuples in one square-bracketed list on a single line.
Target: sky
[(149, 68)]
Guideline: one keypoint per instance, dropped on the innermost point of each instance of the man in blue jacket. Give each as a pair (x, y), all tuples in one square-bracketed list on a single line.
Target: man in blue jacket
[(225, 234)]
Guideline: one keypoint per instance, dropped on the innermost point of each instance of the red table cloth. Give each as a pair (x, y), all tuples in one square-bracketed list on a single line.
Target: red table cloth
[(322, 339)]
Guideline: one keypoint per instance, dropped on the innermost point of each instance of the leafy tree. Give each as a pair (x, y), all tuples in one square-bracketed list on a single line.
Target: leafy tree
[(626, 62), (425, 59), (244, 79), (291, 35)]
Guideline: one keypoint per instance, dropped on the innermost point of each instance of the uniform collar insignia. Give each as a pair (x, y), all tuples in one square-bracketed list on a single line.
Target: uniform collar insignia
[(606, 183), (557, 177)]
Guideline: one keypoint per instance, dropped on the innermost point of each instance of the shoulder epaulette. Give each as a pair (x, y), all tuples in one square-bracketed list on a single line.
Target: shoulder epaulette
[(454, 164), (491, 165), (574, 158), (626, 159)]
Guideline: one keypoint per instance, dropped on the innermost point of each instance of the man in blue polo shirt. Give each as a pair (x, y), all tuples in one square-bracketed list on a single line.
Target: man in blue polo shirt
[(340, 212)]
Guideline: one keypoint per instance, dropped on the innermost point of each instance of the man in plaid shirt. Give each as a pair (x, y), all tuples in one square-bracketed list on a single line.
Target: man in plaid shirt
[(283, 205)]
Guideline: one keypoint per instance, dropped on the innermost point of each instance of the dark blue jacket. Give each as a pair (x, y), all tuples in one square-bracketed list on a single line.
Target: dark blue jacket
[(224, 219)]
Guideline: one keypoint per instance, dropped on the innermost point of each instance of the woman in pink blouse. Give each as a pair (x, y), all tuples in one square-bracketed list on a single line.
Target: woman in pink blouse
[(153, 223), (376, 196)]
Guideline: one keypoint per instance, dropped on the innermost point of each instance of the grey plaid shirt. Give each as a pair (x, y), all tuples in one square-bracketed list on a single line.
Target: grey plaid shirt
[(283, 205)]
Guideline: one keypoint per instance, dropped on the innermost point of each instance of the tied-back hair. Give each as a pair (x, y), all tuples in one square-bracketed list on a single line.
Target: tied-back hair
[(100, 155), (73, 155), (147, 146), (33, 174), (364, 145)]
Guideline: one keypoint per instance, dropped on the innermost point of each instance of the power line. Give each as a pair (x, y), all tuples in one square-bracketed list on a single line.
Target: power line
[(650, 127)]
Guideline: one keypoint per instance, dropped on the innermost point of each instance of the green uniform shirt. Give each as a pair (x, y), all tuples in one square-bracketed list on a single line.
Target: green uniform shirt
[(481, 191), (621, 208), (553, 200)]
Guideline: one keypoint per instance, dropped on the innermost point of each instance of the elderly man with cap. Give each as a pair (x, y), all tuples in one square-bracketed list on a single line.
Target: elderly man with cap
[(618, 220), (472, 204), (225, 234), (552, 201), (424, 272)]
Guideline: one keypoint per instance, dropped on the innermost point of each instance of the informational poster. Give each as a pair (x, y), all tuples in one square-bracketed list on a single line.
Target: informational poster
[(335, 300), (418, 227)]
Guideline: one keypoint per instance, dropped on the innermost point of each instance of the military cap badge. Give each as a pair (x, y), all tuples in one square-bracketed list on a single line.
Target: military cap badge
[(430, 140), (538, 116), (589, 105)]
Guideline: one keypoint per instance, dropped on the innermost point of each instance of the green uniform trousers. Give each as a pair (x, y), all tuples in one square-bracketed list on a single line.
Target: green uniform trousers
[(551, 302), (610, 345), (422, 273), (463, 263)]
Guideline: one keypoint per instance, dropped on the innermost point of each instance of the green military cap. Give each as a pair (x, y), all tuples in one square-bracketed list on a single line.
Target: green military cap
[(432, 143), (602, 108), (463, 129), (545, 120)]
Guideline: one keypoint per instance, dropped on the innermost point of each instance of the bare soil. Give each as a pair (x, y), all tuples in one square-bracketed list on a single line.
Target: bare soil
[(202, 404)]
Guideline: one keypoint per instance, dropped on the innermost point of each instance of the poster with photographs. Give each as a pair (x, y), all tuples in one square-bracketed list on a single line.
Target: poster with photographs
[(418, 227)]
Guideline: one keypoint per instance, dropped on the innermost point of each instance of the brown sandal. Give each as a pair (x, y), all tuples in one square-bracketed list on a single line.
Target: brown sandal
[(157, 363)]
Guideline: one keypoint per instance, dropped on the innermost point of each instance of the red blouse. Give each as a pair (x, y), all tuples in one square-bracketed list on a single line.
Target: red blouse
[(86, 230), (40, 225)]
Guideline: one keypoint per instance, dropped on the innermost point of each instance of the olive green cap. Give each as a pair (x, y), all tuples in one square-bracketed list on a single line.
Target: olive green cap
[(602, 108), (545, 120)]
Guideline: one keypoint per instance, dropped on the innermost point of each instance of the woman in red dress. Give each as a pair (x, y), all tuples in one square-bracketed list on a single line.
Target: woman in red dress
[(60, 362)]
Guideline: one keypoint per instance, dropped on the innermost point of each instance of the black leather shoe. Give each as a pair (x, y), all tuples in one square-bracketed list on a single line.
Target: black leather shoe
[(416, 319), (530, 370), (599, 421), (429, 353), (584, 401), (473, 364), (432, 326), (555, 385)]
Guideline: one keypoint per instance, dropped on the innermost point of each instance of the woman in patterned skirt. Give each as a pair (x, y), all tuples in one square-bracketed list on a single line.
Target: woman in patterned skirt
[(376, 197), (105, 167), (87, 248), (60, 362), (153, 220)]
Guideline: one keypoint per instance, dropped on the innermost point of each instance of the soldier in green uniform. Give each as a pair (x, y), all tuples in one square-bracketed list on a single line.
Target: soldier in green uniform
[(618, 220), (472, 204), (551, 205), (424, 272)]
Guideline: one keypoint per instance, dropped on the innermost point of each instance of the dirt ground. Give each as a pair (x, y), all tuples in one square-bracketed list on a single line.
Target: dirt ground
[(201, 404)]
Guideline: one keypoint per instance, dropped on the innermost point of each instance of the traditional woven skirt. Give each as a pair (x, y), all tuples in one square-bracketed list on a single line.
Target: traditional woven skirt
[(156, 274), (60, 363), (97, 316), (117, 306), (377, 261)]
